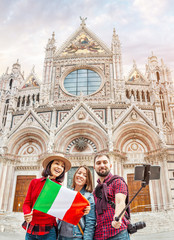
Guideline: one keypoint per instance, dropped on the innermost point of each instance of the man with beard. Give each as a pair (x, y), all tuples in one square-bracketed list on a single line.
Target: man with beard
[(110, 197)]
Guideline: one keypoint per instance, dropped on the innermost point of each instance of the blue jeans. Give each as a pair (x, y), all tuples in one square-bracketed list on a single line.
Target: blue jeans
[(50, 236), (64, 238), (123, 235)]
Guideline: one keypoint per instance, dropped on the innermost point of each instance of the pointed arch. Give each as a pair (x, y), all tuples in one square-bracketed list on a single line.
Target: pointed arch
[(138, 95), (28, 100), (94, 134), (143, 96), (19, 101), (38, 97), (11, 83), (158, 76), (148, 96), (136, 132), (132, 93), (28, 137), (127, 93), (23, 101)]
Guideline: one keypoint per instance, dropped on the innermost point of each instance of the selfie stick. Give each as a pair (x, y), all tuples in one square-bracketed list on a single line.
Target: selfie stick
[(144, 183)]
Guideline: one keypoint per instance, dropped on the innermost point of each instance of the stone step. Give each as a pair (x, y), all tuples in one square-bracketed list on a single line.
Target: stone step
[(11, 222), (155, 221)]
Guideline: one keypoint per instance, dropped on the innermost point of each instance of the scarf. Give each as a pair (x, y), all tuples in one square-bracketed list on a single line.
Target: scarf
[(102, 197)]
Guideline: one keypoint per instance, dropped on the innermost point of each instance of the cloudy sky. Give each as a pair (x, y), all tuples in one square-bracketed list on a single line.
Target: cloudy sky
[(143, 26)]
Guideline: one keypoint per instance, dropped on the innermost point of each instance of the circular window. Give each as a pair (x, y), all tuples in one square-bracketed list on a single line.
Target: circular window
[(82, 80)]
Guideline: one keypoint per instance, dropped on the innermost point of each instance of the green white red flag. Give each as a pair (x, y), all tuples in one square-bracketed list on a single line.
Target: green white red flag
[(61, 202)]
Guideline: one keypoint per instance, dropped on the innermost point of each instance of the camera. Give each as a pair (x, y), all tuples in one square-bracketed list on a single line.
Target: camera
[(132, 228)]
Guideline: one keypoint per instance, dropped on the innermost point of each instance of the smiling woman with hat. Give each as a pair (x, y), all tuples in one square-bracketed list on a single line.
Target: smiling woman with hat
[(39, 225)]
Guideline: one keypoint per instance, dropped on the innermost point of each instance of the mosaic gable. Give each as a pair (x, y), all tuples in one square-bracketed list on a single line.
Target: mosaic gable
[(31, 82), (83, 44), (136, 78)]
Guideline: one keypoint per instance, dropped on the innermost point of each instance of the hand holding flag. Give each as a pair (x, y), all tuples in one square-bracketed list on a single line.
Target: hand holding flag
[(28, 217), (61, 202)]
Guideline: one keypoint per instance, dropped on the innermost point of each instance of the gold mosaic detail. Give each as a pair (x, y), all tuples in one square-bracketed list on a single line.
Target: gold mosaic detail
[(135, 76), (83, 44), (31, 82)]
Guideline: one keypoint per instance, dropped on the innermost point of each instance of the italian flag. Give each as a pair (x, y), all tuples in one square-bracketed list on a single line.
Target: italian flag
[(61, 202)]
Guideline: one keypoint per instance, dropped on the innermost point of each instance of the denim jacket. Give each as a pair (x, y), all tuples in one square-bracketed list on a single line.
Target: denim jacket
[(87, 222)]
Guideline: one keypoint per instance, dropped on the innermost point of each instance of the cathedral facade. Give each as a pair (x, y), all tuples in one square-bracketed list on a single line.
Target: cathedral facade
[(85, 104)]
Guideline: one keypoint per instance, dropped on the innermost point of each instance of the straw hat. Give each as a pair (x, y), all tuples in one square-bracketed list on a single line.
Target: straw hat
[(57, 157)]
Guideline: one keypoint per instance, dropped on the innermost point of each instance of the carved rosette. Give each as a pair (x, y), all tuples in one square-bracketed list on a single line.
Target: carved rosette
[(81, 144)]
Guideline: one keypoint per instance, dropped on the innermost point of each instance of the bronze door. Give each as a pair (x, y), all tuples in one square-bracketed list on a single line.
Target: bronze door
[(22, 185), (142, 201)]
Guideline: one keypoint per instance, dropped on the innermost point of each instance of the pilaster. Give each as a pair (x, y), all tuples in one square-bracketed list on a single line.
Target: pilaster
[(109, 129), (3, 179), (8, 186)]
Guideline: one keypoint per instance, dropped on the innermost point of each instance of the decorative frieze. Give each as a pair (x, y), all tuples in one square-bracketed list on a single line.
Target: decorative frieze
[(116, 113), (46, 116), (101, 113), (77, 160), (150, 115), (16, 119), (27, 168)]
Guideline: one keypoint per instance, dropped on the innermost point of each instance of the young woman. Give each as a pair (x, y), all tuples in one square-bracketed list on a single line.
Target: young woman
[(40, 225), (82, 182)]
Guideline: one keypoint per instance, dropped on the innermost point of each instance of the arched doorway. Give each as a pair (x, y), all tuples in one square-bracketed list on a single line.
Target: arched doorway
[(134, 141), (142, 202), (135, 150)]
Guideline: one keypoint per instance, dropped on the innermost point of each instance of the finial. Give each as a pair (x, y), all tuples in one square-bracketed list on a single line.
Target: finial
[(7, 70), (162, 62), (83, 21), (114, 32), (152, 53), (53, 34), (33, 69), (134, 63), (17, 61)]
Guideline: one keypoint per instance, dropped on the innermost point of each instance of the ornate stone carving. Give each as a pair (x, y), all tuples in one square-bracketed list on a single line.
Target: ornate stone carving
[(100, 113), (16, 119), (150, 115), (116, 113), (81, 115), (27, 168), (30, 119), (134, 116), (46, 116), (81, 144)]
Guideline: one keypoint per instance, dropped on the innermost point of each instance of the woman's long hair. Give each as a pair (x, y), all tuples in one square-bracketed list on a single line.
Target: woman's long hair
[(89, 183), (47, 172)]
